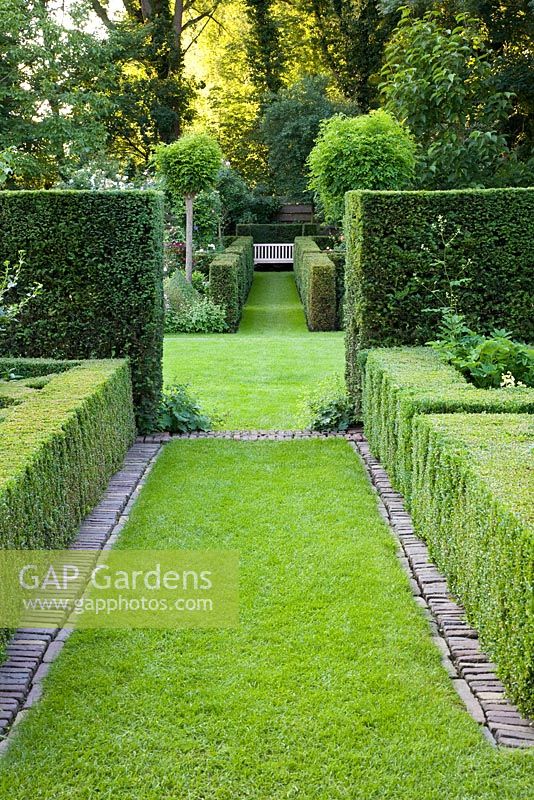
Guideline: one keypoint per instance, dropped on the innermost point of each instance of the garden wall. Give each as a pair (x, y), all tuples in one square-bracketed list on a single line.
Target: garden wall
[(99, 258), (395, 270), (231, 275)]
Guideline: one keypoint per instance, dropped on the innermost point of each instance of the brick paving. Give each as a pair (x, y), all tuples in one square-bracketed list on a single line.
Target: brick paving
[(31, 650)]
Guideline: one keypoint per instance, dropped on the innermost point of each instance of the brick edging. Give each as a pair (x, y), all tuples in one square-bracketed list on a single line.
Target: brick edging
[(31, 651), (472, 673)]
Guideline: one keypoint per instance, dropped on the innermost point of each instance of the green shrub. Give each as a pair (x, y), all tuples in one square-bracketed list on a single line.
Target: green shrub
[(485, 362), (394, 267), (59, 446), (327, 407), (231, 275), (472, 503), (277, 233), (400, 383), (188, 311), (316, 279), (372, 151), (180, 413), (98, 256)]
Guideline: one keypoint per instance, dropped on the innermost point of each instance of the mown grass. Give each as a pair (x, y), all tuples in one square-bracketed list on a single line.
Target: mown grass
[(257, 377), (329, 689)]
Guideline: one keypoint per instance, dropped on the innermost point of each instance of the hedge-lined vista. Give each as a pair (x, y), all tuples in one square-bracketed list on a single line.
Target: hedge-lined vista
[(231, 275), (99, 258), (391, 280), (401, 383), (59, 445), (472, 503), (316, 279)]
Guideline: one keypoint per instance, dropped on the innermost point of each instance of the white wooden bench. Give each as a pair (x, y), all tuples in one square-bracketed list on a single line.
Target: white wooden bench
[(273, 254)]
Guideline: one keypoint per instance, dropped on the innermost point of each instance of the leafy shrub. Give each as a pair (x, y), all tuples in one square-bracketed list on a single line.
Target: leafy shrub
[(98, 257), (328, 407), (472, 503), (180, 413), (231, 275), (368, 152), (395, 265), (187, 311), (315, 275), (401, 383), (484, 360)]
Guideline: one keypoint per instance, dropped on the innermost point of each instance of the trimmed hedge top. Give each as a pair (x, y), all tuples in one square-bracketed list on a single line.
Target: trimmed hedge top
[(277, 233), (472, 503), (316, 278), (402, 382), (59, 445), (392, 273), (99, 257)]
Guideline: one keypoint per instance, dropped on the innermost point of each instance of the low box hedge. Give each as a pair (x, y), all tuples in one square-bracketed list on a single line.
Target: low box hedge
[(472, 502), (231, 275), (99, 258), (394, 265), (59, 445), (316, 279), (400, 383)]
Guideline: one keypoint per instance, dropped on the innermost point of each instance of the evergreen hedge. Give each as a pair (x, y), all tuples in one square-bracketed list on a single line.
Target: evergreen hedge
[(472, 503), (99, 256), (316, 279), (59, 446), (392, 278), (401, 383), (231, 275), (277, 233)]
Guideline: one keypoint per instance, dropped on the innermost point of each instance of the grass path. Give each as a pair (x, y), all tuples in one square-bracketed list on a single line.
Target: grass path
[(256, 377), (330, 688)]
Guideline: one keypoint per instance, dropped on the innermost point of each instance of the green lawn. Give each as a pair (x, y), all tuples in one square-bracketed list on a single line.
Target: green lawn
[(330, 687), (255, 378)]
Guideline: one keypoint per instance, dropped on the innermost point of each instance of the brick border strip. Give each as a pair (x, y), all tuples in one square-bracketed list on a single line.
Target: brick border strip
[(31, 651), (472, 674)]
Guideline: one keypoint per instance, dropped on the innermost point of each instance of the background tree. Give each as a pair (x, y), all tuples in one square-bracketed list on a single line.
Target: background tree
[(265, 53), (189, 165), (368, 152), (289, 128), (442, 82)]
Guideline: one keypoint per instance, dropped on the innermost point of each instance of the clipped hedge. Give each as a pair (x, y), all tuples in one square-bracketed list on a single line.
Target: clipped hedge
[(390, 279), (231, 275), (472, 502), (400, 383), (277, 233), (316, 279), (99, 256), (59, 445)]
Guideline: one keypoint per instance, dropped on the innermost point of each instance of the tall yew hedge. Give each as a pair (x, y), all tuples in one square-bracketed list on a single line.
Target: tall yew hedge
[(98, 256)]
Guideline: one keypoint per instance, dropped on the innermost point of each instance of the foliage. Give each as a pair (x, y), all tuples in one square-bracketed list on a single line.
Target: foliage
[(187, 311), (400, 383), (231, 275), (98, 256), (9, 277), (180, 413), (264, 51), (189, 165), (472, 502), (207, 215), (367, 152), (443, 84), (328, 407), (289, 127), (394, 270), (484, 360), (315, 276), (351, 38), (59, 447)]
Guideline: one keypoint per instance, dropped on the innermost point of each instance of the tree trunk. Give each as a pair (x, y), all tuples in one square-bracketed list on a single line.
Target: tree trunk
[(189, 237)]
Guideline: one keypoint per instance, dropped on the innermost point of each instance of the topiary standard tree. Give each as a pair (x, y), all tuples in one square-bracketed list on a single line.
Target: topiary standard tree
[(189, 165), (367, 152)]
